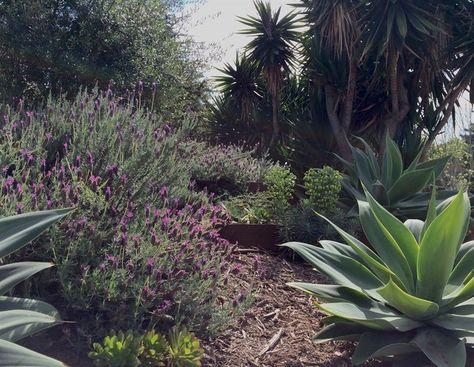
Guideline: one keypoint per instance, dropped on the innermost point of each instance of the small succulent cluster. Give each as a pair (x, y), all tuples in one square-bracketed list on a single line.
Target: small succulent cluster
[(130, 349), (323, 187)]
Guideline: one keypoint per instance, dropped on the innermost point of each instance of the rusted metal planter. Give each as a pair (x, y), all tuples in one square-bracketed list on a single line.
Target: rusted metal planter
[(262, 236)]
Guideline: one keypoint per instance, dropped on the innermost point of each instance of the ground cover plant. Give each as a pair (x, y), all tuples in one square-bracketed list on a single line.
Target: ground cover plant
[(142, 247), (387, 296)]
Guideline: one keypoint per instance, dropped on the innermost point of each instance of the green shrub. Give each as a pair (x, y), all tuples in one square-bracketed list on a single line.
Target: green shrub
[(250, 208), (180, 349), (406, 298), (280, 186), (323, 187), (399, 189), (23, 317), (301, 223), (458, 171)]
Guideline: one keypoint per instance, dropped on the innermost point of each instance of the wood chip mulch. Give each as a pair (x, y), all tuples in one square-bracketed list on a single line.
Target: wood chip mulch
[(277, 329)]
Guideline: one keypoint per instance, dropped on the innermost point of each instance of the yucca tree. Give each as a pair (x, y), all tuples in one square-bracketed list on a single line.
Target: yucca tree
[(239, 85), (272, 49), (380, 63)]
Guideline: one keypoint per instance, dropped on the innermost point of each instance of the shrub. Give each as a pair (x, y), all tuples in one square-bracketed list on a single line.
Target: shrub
[(323, 187), (23, 317), (143, 245), (250, 208), (388, 297), (458, 171), (182, 349), (281, 184), (397, 188), (232, 167), (301, 223)]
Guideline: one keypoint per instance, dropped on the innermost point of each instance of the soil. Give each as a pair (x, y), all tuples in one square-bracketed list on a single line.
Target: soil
[(275, 331)]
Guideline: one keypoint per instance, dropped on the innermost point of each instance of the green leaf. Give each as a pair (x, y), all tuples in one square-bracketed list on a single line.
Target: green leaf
[(378, 318), (339, 331), (385, 246), (431, 214), (404, 239), (401, 20), (18, 230), (442, 349), (415, 226), (342, 269), (414, 307), (12, 274), (334, 293), (463, 268), (442, 241), (371, 260), (14, 322), (15, 355), (408, 184), (375, 344), (462, 294), (339, 248), (9, 303), (460, 318), (436, 165)]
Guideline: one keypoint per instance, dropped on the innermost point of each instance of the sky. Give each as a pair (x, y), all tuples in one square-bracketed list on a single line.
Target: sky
[(215, 23)]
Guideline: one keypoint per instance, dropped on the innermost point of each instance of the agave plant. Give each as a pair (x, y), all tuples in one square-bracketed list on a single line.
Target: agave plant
[(21, 317), (399, 189), (408, 297)]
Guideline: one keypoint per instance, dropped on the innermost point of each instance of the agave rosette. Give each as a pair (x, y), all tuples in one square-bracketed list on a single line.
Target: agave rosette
[(20, 317), (399, 189), (409, 296)]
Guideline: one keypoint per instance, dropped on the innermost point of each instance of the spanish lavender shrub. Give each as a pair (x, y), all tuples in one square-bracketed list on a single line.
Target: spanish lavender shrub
[(143, 245), (228, 163)]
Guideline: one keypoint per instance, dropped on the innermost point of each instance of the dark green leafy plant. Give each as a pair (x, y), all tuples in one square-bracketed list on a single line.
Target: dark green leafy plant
[(407, 298), (185, 349), (250, 208), (399, 189), (323, 187), (22, 317), (118, 350), (281, 184)]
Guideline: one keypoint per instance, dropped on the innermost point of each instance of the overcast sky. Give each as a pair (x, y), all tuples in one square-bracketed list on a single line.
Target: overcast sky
[(215, 22)]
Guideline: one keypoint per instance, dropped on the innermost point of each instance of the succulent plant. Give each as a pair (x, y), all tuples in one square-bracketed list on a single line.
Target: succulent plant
[(185, 349), (401, 190), (407, 297), (118, 350), (155, 349)]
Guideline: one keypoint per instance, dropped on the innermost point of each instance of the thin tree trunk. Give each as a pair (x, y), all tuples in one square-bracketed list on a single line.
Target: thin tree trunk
[(276, 126), (339, 132)]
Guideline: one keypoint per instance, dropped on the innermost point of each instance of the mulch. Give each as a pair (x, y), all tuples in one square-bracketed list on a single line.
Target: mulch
[(275, 331)]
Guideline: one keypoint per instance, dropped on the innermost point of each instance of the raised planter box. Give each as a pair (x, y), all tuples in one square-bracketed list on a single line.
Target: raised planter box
[(263, 236)]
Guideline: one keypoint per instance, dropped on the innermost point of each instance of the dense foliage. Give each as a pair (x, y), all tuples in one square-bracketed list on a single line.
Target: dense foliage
[(366, 68), (61, 46), (143, 245), (387, 296)]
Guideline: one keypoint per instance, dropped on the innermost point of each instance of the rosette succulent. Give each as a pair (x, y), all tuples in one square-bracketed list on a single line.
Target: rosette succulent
[(406, 297)]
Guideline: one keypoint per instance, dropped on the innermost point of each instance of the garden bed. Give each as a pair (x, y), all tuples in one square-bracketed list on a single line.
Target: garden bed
[(278, 312)]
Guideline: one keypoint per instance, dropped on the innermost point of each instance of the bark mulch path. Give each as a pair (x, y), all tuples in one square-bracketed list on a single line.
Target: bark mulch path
[(277, 329)]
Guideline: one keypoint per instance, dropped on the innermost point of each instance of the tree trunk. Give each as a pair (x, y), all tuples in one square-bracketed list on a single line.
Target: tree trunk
[(338, 129), (276, 126)]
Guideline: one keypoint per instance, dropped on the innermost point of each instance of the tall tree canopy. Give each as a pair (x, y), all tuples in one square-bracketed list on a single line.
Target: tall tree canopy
[(61, 45), (370, 68)]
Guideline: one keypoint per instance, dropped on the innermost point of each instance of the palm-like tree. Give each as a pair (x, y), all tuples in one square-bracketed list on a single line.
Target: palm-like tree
[(272, 49), (382, 65), (238, 84)]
